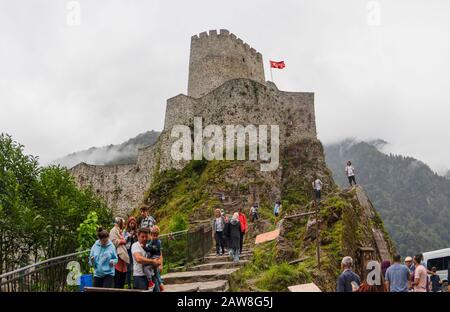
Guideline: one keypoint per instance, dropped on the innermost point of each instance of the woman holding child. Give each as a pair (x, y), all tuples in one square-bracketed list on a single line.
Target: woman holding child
[(118, 240)]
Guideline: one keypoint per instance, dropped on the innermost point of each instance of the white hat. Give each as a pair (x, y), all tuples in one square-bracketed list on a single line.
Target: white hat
[(407, 259)]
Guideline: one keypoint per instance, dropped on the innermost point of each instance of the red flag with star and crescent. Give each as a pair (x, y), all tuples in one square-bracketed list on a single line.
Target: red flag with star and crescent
[(279, 65)]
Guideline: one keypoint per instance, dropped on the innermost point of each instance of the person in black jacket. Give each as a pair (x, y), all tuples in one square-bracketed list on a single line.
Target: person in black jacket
[(233, 234)]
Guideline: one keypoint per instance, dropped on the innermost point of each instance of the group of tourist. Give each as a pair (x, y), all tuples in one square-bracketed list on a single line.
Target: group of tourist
[(412, 276), (229, 233), (129, 254)]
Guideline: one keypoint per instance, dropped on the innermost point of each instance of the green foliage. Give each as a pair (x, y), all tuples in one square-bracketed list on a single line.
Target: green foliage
[(279, 277), (87, 231), (178, 223), (40, 208)]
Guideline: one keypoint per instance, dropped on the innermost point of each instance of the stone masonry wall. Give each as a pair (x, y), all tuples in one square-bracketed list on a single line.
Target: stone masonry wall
[(218, 57)]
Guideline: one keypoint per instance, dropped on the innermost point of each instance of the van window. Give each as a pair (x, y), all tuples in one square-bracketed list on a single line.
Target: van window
[(439, 263)]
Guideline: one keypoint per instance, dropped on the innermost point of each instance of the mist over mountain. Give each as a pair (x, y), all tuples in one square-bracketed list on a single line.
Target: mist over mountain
[(124, 153), (413, 200)]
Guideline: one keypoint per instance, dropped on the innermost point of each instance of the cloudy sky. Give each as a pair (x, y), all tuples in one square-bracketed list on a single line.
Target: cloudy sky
[(66, 87)]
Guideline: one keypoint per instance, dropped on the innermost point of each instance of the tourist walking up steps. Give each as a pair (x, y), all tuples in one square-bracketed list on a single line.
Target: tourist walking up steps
[(350, 173), (218, 228), (244, 228), (119, 242), (348, 281), (317, 186), (130, 236), (103, 257), (254, 212), (233, 233), (397, 276)]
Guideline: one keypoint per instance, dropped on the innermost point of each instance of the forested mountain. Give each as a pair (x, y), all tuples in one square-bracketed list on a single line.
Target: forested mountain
[(124, 153), (414, 201)]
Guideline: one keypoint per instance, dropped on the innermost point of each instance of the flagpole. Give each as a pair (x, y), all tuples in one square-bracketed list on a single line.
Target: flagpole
[(271, 74)]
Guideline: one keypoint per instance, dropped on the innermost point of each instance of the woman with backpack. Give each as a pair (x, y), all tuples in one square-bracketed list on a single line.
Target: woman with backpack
[(233, 233)]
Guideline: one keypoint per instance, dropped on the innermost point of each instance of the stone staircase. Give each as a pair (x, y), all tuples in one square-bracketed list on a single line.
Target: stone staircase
[(211, 276)]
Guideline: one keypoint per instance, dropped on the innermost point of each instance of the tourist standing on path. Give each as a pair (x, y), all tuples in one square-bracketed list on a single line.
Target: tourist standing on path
[(317, 186), (397, 276), (103, 257), (119, 242), (435, 281), (348, 281), (244, 228), (233, 233), (218, 228), (140, 259), (130, 236), (147, 220), (254, 212), (350, 173), (420, 275), (410, 265), (277, 208)]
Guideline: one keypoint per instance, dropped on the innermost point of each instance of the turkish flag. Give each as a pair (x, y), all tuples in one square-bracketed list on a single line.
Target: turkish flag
[(279, 65)]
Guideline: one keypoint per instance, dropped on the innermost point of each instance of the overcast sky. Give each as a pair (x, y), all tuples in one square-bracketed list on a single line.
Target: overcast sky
[(65, 88)]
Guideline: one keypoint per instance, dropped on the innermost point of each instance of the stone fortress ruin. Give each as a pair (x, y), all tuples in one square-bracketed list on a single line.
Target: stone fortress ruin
[(226, 86)]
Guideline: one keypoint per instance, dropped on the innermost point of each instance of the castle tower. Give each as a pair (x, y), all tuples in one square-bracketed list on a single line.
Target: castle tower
[(218, 57)]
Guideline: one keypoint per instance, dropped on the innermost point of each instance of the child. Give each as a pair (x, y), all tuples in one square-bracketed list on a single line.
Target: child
[(435, 281), (154, 251)]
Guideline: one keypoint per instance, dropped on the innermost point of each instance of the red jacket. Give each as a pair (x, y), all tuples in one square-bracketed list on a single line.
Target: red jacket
[(243, 222)]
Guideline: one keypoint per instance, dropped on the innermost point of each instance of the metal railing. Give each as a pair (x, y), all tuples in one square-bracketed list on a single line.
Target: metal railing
[(50, 275)]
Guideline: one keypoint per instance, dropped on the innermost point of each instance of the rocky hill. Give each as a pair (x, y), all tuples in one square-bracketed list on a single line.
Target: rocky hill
[(413, 200), (120, 154), (348, 221)]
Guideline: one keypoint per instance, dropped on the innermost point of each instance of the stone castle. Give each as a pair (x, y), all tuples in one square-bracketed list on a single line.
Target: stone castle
[(226, 86)]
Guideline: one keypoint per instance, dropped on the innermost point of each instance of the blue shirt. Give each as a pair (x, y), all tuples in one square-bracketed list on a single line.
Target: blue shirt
[(344, 283), (397, 276)]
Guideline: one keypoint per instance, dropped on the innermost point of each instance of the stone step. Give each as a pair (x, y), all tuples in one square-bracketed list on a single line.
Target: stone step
[(244, 252), (197, 276), (211, 286), (217, 265), (225, 258)]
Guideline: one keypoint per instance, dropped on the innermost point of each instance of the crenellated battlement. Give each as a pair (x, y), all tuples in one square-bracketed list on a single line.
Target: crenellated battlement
[(219, 56), (224, 33)]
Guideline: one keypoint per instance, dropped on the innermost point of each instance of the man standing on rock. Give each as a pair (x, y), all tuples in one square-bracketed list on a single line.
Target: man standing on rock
[(147, 220), (350, 173), (348, 281)]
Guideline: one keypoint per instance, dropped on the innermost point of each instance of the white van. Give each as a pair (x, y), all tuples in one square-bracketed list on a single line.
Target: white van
[(439, 259)]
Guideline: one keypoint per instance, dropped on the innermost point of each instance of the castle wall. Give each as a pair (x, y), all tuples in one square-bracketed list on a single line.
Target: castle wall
[(218, 57), (243, 102), (121, 186), (226, 87)]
